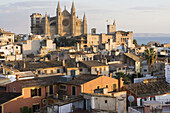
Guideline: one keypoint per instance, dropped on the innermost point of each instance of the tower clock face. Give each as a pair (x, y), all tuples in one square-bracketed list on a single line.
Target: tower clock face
[(65, 22)]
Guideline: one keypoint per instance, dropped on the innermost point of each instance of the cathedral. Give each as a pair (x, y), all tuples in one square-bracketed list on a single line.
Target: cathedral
[(63, 24)]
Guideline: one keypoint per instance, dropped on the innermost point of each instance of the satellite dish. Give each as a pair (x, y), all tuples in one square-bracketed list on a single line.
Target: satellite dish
[(44, 101), (131, 98)]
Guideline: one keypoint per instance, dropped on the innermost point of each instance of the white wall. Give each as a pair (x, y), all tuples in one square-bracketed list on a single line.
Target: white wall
[(66, 108), (32, 46), (167, 73)]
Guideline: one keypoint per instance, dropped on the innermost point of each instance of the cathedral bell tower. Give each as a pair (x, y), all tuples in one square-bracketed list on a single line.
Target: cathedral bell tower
[(111, 29), (58, 20), (47, 27), (73, 20), (84, 24)]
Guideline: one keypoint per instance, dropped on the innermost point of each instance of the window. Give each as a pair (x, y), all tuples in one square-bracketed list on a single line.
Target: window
[(51, 71), (6, 48), (106, 86), (145, 70), (14, 89), (114, 87), (35, 107), (98, 87), (39, 72), (45, 71), (36, 92), (63, 87), (73, 90), (81, 70), (58, 70), (105, 101), (16, 47), (105, 68), (51, 89)]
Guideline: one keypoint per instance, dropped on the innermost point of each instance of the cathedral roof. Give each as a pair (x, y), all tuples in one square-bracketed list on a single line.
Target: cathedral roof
[(66, 13), (52, 18)]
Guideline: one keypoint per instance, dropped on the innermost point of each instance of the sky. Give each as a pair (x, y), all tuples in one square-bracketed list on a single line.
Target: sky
[(139, 16)]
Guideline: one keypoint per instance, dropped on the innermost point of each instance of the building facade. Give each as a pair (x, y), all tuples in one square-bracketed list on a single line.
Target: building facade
[(63, 24)]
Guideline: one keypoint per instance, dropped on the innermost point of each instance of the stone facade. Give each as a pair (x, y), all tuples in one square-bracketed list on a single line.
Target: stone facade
[(119, 37), (63, 24)]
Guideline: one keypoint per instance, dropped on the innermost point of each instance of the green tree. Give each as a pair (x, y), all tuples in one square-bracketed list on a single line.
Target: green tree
[(135, 42), (150, 56), (143, 44), (124, 77), (26, 109)]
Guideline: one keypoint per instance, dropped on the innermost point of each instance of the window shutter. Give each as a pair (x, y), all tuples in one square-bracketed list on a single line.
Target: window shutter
[(39, 92)]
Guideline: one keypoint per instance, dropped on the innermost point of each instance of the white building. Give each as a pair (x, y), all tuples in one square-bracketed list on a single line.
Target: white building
[(11, 49), (167, 73), (6, 37), (31, 46)]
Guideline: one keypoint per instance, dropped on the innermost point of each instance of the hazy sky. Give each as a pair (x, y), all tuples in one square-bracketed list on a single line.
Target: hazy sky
[(140, 16)]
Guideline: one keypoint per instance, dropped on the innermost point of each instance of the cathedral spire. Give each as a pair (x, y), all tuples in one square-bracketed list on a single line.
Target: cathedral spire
[(84, 17), (58, 6), (73, 8), (114, 23)]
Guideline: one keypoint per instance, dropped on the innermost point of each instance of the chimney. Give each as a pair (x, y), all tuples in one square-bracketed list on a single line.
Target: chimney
[(17, 77), (24, 63), (119, 83), (105, 61), (98, 73), (64, 63), (110, 75), (146, 109), (58, 58), (77, 64), (78, 47)]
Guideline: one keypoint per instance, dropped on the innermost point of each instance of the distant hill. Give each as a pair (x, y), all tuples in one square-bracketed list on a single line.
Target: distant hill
[(151, 34)]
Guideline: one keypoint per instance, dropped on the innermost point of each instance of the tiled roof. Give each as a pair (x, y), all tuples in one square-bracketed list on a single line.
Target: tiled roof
[(43, 81), (149, 89), (32, 66), (5, 32), (117, 65), (93, 63), (132, 56), (5, 97), (82, 79)]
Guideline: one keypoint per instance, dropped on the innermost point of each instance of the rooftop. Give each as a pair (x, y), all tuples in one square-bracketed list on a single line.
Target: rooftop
[(50, 80), (132, 56), (92, 63), (2, 31), (5, 97), (32, 66), (39, 81), (82, 79), (147, 89)]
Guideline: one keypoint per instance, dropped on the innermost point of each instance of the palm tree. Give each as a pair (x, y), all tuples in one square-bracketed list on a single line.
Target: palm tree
[(150, 56)]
